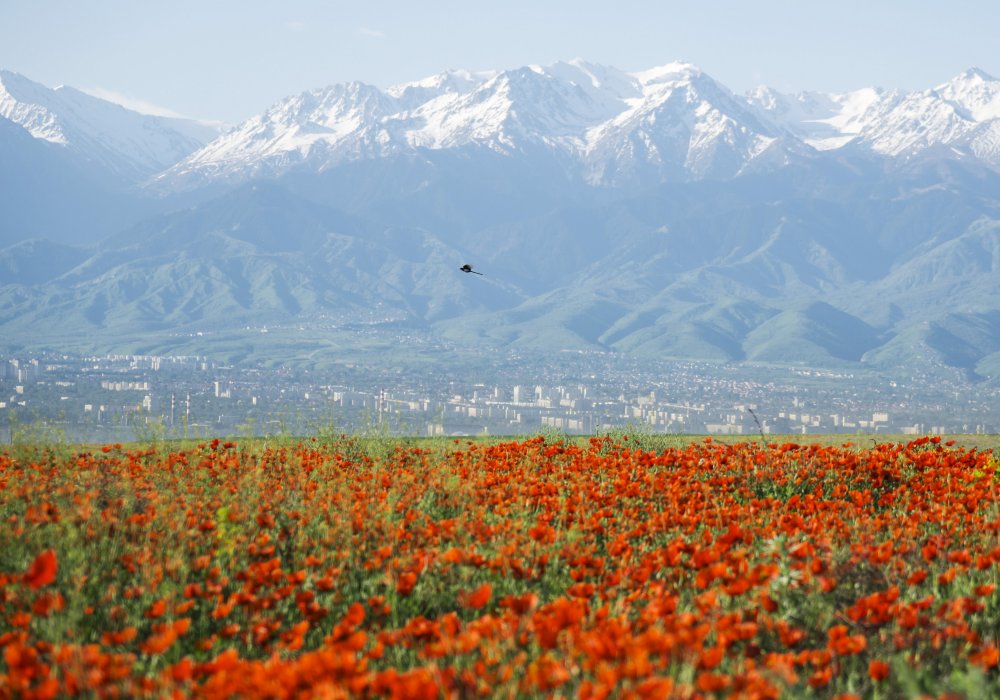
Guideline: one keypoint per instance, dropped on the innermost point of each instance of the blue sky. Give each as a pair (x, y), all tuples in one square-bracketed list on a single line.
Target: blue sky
[(230, 59)]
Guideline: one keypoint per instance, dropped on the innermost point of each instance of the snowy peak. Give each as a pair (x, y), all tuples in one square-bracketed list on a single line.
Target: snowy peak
[(591, 76), (823, 121), (975, 94), (508, 111), (911, 123), (30, 105), (671, 122), (672, 74), (553, 107), (513, 110), (892, 123), (126, 143), (336, 111), (682, 125), (674, 116), (453, 82), (957, 114), (324, 126)]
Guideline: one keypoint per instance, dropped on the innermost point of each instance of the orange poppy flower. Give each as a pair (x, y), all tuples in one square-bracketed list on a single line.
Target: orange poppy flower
[(42, 570), (878, 670), (121, 637), (821, 677), (405, 584), (157, 609), (476, 599), (988, 657)]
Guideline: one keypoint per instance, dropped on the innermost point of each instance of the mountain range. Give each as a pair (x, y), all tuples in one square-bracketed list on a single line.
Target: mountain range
[(655, 213)]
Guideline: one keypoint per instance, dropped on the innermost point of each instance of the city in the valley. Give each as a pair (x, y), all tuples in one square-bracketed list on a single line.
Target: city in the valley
[(124, 397)]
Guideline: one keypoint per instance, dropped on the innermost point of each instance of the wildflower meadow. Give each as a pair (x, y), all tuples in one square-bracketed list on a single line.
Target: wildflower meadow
[(535, 567)]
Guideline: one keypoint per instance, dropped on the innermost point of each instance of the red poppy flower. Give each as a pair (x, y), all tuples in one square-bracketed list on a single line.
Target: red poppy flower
[(476, 599), (43, 570), (878, 670)]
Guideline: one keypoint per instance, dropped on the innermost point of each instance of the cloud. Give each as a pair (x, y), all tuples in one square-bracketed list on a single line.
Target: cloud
[(371, 33), (295, 25), (136, 104)]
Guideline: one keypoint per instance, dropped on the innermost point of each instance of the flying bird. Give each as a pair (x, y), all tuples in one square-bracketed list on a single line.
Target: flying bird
[(468, 268)]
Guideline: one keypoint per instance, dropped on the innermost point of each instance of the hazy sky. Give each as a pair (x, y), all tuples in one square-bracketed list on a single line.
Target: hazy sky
[(230, 59)]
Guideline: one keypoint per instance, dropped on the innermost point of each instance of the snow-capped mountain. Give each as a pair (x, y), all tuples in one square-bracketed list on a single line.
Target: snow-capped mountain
[(682, 125), (960, 114), (412, 95), (974, 93), (507, 112), (323, 127), (674, 119), (127, 144), (610, 127), (671, 123), (957, 113), (514, 110), (823, 121), (653, 212)]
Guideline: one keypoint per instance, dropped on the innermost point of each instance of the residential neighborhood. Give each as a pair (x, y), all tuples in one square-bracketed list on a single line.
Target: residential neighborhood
[(125, 397)]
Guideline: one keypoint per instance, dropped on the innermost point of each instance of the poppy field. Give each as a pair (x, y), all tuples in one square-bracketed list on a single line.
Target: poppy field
[(529, 568)]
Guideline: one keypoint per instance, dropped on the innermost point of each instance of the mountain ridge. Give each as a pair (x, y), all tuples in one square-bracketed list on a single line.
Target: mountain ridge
[(655, 213), (603, 118), (127, 144)]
